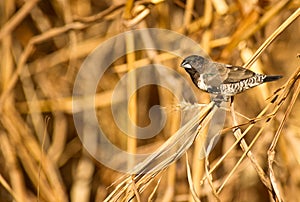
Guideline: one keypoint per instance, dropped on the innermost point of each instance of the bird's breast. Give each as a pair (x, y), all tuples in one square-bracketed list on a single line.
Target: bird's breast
[(201, 83)]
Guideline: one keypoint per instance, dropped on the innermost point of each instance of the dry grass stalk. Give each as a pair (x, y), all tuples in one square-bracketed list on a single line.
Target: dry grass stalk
[(168, 153), (273, 36), (43, 43), (271, 151), (132, 107), (191, 182)]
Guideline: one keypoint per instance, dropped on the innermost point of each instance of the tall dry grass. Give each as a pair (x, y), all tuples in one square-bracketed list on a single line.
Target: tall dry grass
[(44, 43)]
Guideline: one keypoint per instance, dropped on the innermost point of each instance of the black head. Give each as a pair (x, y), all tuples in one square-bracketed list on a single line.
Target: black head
[(193, 62), (193, 66)]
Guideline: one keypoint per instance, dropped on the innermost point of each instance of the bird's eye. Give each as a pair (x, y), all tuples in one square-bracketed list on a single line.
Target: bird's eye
[(187, 66)]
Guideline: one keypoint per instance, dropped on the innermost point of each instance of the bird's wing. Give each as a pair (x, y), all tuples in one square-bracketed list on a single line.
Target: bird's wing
[(232, 74), (218, 73)]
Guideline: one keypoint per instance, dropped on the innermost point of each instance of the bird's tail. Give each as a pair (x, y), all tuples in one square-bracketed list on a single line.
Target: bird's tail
[(271, 78)]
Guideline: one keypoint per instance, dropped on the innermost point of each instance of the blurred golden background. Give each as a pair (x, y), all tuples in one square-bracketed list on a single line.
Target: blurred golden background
[(43, 45)]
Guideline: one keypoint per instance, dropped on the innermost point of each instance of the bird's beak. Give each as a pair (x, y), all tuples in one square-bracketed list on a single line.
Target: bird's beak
[(186, 65)]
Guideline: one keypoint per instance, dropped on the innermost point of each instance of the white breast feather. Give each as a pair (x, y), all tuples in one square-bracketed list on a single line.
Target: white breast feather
[(201, 83)]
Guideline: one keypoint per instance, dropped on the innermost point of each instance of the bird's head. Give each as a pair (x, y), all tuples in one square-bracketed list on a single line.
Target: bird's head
[(193, 62)]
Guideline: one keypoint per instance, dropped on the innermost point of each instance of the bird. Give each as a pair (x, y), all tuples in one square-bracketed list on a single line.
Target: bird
[(220, 79)]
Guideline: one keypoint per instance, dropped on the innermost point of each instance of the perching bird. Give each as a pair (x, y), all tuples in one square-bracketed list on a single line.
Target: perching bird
[(222, 79)]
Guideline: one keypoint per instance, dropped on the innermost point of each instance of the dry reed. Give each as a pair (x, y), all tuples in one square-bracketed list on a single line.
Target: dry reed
[(44, 43)]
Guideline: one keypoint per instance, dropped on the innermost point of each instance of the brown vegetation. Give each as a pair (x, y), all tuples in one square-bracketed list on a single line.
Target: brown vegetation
[(43, 45)]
